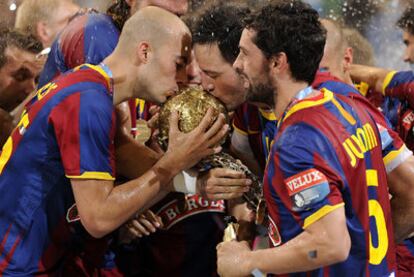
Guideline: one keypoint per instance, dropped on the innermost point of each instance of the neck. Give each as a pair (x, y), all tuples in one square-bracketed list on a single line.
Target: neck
[(123, 88), (347, 79), (285, 93)]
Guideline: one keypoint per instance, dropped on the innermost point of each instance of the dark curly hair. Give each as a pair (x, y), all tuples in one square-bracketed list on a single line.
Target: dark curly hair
[(26, 42), (406, 21), (119, 12), (221, 23), (291, 27)]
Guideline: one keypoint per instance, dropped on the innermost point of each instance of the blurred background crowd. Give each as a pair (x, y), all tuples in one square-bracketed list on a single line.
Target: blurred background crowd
[(375, 19)]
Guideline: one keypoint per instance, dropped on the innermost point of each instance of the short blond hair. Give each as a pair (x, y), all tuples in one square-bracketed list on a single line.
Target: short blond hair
[(31, 12), (363, 52)]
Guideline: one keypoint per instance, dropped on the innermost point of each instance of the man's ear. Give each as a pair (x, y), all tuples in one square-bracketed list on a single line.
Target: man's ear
[(278, 62), (42, 32), (348, 59), (143, 52)]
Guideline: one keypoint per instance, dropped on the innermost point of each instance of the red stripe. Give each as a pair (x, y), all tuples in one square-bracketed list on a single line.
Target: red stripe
[(65, 120), (8, 256), (72, 42), (132, 110), (4, 240), (88, 75), (79, 76)]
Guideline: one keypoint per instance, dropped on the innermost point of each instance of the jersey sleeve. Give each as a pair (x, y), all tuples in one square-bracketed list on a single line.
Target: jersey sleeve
[(84, 128), (400, 85), (307, 174), (394, 150)]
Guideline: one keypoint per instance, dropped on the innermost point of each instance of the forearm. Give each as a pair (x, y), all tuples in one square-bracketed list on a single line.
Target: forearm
[(302, 253), (401, 185), (132, 158), (402, 217), (373, 76), (324, 242), (113, 206)]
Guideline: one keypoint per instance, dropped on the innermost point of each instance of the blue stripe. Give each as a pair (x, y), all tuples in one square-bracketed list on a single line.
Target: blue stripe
[(100, 38), (95, 126)]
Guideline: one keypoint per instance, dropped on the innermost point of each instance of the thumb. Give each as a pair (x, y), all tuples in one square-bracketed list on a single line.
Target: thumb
[(173, 123)]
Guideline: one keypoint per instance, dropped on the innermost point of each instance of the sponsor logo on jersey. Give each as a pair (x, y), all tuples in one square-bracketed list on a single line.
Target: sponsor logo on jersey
[(407, 120), (304, 180), (307, 188)]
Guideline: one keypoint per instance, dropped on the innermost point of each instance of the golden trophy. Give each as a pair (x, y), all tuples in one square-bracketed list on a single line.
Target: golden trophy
[(192, 104)]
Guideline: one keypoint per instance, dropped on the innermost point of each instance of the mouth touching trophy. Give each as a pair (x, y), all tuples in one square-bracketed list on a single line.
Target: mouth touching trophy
[(192, 104)]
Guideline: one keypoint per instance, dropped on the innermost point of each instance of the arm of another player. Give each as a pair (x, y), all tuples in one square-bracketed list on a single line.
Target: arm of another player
[(373, 76), (128, 149), (324, 242), (240, 148), (103, 207), (401, 184), (395, 84)]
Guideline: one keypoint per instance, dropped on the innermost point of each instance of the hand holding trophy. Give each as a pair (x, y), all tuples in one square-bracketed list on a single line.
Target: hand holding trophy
[(192, 104)]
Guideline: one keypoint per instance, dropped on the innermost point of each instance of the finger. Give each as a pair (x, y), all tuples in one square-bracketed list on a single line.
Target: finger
[(206, 121), (228, 185), (134, 232), (137, 225), (224, 196), (218, 137), (159, 221), (210, 151), (174, 123), (154, 219), (228, 189), (153, 122), (147, 225), (154, 109), (218, 124), (227, 173)]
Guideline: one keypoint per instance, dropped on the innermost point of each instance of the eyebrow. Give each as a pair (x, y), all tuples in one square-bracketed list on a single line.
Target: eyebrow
[(241, 48), (212, 72)]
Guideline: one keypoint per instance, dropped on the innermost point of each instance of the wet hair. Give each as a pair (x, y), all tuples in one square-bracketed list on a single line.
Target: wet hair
[(14, 38), (406, 21), (221, 23), (30, 12), (119, 12), (291, 27)]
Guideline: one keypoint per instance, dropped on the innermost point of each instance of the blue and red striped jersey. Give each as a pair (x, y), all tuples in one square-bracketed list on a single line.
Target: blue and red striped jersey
[(88, 38), (259, 126), (405, 258), (67, 132), (327, 154), (398, 106), (394, 150)]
